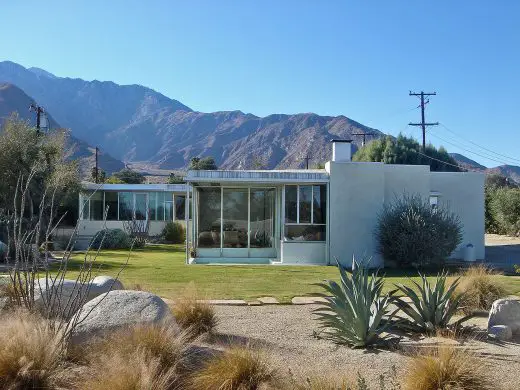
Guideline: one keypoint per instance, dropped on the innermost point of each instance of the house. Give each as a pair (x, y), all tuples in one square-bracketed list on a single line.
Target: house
[(316, 216), (159, 203)]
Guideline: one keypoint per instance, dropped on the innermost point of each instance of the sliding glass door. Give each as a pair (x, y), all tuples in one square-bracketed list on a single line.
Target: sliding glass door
[(235, 231)]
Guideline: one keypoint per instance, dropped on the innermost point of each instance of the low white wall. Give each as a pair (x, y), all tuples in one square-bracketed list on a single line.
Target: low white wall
[(90, 228), (463, 194), (304, 253)]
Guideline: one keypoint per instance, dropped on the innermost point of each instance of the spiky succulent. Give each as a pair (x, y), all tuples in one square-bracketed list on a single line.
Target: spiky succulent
[(355, 312)]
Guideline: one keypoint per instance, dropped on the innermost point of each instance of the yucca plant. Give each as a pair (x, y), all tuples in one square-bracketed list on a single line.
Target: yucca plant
[(355, 312), (431, 308)]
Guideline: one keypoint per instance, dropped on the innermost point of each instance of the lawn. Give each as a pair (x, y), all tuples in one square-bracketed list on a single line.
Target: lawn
[(161, 269)]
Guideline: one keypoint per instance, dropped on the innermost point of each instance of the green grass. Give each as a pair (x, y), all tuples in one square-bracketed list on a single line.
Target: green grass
[(161, 269)]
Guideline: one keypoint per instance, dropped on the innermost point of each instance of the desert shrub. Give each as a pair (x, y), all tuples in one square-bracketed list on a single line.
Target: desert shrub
[(111, 239), (504, 208), (354, 311), (445, 368), (387, 381), (480, 288), (136, 371), (193, 314), (174, 233), (30, 353), (237, 368), (411, 232), (431, 308)]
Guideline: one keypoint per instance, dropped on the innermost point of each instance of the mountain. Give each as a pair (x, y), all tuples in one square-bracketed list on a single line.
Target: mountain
[(136, 124), (13, 99), (511, 171)]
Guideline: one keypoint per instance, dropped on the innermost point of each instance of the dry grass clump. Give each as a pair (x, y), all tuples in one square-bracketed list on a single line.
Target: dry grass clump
[(135, 371), (141, 357), (31, 355), (324, 383), (445, 368), (238, 368), (193, 314), (480, 287)]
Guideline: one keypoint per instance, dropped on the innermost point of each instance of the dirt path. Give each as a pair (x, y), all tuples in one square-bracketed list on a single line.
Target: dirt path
[(286, 332)]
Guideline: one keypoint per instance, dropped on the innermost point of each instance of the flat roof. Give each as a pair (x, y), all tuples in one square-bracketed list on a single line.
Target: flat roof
[(135, 187), (264, 176)]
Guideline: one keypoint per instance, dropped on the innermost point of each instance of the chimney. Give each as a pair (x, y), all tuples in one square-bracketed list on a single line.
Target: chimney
[(341, 150)]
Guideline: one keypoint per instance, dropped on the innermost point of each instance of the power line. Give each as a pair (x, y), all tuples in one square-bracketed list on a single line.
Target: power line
[(423, 123), (444, 162), (480, 146)]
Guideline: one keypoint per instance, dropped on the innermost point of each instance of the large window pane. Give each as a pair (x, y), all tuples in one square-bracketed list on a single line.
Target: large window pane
[(152, 206), (319, 200), (126, 206), (168, 211), (141, 206), (160, 205), (291, 204), (305, 233), (208, 217), (96, 206), (85, 205), (180, 207), (111, 203), (305, 204), (262, 218), (235, 217)]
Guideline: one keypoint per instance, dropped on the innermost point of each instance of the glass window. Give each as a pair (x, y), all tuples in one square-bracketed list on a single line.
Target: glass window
[(305, 204), (152, 206), (291, 204), (305, 233), (85, 205), (180, 207), (160, 206), (141, 206), (111, 204), (126, 206), (208, 217), (319, 204), (168, 211), (96, 206), (235, 214), (262, 218)]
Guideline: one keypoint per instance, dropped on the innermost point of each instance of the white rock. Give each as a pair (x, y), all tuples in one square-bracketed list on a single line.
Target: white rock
[(103, 284), (505, 312), (119, 309), (500, 332)]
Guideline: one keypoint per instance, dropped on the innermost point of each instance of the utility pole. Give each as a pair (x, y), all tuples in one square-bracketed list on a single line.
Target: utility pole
[(306, 158), (39, 111), (96, 172), (423, 123)]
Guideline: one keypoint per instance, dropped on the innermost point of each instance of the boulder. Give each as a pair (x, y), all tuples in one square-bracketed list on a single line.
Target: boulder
[(500, 332), (103, 284), (119, 309), (505, 312)]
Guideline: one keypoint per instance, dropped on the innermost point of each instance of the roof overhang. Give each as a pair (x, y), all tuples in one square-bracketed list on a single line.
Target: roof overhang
[(135, 187), (264, 176)]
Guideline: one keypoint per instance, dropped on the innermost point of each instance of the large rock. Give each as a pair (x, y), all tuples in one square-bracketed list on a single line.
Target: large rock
[(505, 312), (500, 332), (68, 292), (119, 309)]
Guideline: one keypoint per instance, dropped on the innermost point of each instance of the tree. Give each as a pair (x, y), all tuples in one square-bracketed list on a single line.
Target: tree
[(404, 150), (199, 164), (101, 175), (174, 179), (41, 157), (129, 176)]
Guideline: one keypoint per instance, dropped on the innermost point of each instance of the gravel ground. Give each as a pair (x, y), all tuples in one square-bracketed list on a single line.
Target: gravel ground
[(286, 332)]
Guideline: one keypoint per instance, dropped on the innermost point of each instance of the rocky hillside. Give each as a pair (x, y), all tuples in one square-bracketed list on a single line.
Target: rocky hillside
[(137, 124), (511, 171), (13, 99)]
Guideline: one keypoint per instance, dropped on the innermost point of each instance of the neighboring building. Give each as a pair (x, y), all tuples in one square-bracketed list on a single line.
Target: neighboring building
[(160, 203), (315, 216)]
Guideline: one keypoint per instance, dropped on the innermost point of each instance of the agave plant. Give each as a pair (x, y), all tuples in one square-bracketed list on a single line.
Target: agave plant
[(355, 312), (430, 309)]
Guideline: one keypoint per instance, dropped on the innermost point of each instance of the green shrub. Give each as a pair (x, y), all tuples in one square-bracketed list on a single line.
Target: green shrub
[(411, 232), (431, 308), (504, 205), (354, 311), (111, 239), (174, 233)]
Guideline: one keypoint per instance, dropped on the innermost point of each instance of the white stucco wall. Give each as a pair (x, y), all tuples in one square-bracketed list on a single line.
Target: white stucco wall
[(406, 179), (304, 253), (90, 228), (463, 193)]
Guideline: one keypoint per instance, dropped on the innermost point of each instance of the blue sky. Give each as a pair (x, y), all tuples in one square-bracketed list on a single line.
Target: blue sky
[(355, 58)]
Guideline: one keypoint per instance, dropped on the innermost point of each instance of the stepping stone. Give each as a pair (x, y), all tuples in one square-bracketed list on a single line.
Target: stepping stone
[(227, 302), (268, 300), (307, 300), (254, 303)]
